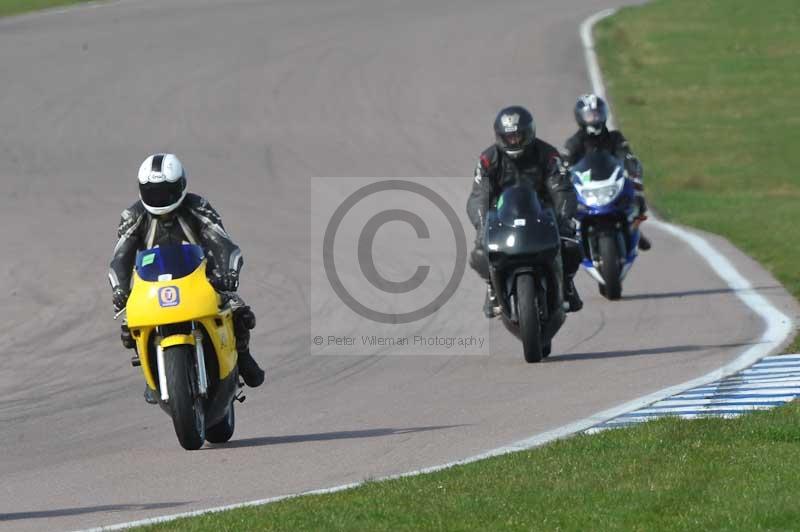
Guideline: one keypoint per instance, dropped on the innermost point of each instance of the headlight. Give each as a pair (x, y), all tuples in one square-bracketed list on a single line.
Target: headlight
[(599, 196)]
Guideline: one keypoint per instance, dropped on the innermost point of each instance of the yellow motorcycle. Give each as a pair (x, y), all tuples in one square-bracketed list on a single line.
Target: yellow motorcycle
[(185, 342)]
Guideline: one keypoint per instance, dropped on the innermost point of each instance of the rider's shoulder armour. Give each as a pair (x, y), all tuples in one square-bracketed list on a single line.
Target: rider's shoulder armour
[(490, 159), (131, 218), (617, 139), (200, 207)]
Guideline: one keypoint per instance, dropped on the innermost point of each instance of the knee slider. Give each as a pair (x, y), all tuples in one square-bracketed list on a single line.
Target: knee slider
[(479, 262), (242, 341), (244, 318), (571, 255), (127, 338)]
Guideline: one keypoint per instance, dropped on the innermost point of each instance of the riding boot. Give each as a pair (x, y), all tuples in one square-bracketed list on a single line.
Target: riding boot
[(249, 369), (644, 242), (571, 295), (491, 308), (243, 321)]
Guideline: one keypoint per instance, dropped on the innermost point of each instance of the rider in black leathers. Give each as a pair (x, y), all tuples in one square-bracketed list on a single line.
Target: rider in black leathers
[(519, 157), (591, 113), (167, 215)]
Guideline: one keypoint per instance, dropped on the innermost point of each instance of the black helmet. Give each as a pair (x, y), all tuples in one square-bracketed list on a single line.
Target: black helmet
[(514, 130), (591, 113)]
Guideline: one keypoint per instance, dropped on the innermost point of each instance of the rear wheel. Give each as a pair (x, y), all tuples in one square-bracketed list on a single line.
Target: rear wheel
[(222, 431), (610, 266), (530, 329), (185, 405)]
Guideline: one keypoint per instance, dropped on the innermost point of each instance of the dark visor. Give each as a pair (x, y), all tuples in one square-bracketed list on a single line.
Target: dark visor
[(161, 194)]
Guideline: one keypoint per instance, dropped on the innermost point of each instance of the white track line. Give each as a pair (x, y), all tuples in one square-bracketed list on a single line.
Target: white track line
[(592, 64), (778, 328)]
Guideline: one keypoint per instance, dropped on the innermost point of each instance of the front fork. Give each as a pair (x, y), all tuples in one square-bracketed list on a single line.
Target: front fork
[(162, 374), (202, 375), (591, 234), (200, 365), (505, 288)]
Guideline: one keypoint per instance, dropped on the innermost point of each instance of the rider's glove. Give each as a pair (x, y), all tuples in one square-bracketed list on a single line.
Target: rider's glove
[(227, 282), (568, 228), (120, 298)]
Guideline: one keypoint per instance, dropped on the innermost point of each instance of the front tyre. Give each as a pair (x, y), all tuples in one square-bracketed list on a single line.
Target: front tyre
[(530, 328), (185, 404), (610, 267), (222, 431)]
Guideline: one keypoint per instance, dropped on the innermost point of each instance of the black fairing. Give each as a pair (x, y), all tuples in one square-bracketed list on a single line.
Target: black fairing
[(520, 214)]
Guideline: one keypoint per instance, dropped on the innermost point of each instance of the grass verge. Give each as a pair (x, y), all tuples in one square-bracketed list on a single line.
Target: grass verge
[(706, 91), (708, 474), (15, 7)]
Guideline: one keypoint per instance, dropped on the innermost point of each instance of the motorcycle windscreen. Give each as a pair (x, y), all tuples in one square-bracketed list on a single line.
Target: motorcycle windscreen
[(517, 203), (176, 261), (596, 166)]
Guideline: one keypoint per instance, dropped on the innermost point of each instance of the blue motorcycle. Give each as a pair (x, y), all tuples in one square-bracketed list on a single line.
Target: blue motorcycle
[(607, 213)]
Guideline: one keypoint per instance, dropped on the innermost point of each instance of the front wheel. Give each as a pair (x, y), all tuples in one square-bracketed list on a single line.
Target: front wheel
[(185, 404), (530, 328), (610, 267)]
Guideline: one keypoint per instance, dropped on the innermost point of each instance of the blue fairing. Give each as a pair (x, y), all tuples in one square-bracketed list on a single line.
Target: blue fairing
[(618, 212), (621, 207)]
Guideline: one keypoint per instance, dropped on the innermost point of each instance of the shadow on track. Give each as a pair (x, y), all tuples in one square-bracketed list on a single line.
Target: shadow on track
[(325, 436), (687, 293), (16, 516), (570, 357)]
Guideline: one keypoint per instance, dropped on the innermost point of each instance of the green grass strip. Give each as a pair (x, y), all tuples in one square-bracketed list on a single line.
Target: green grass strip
[(707, 93), (15, 7), (707, 474)]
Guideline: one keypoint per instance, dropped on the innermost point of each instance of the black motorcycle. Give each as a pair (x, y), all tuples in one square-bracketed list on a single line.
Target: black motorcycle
[(522, 243)]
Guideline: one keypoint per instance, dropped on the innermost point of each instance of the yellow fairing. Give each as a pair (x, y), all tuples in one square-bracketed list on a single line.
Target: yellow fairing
[(191, 298), (197, 299)]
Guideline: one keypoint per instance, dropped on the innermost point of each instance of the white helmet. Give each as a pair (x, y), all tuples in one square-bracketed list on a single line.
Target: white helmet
[(162, 183)]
